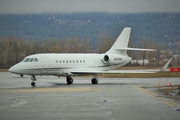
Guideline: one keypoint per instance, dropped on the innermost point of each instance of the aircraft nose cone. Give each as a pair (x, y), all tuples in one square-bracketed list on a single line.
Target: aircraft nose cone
[(11, 69), (14, 69)]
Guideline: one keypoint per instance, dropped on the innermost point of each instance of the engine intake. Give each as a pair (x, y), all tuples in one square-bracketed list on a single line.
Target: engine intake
[(112, 59), (106, 59)]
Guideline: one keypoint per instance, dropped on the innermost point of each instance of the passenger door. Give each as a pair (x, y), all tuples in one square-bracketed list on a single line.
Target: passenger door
[(45, 65)]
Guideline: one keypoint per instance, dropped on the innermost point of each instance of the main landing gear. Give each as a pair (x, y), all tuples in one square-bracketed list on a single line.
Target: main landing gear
[(95, 79), (33, 83), (69, 80)]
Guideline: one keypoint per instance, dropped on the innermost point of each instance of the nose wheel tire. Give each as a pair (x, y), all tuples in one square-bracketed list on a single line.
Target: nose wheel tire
[(94, 81), (33, 84)]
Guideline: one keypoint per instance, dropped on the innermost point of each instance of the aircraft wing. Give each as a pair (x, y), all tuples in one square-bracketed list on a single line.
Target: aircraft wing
[(125, 71), (115, 71)]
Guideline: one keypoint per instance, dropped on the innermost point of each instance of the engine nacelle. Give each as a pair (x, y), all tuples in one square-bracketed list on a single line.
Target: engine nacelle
[(112, 59)]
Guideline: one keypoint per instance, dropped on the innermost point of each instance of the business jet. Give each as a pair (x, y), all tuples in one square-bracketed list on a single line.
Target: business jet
[(80, 64)]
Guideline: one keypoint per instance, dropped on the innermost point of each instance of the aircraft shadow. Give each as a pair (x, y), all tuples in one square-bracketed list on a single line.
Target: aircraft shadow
[(89, 84)]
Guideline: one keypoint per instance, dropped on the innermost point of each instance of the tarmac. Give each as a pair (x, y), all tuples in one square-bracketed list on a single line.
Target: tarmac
[(111, 99)]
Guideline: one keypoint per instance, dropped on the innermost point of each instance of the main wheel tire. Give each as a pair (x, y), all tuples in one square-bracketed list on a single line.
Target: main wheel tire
[(69, 80), (33, 84), (94, 81)]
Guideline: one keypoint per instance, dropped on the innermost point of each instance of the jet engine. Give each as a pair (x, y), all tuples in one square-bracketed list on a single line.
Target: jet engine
[(112, 59)]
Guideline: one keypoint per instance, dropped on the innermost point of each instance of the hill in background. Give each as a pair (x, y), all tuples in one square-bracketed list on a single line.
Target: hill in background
[(162, 27)]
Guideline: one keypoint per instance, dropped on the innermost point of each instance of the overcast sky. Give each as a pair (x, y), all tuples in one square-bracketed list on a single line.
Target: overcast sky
[(74, 6)]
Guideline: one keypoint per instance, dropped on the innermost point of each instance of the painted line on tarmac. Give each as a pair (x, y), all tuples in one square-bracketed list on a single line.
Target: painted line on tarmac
[(163, 100), (11, 104), (57, 90)]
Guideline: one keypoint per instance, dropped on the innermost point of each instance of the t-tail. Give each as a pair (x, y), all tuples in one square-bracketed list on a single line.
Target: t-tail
[(121, 44)]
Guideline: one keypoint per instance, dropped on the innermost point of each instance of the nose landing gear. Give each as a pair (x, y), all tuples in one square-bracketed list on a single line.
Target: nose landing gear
[(33, 83)]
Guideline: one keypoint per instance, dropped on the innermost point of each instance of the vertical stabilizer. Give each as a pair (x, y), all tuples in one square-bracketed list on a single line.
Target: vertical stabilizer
[(121, 42)]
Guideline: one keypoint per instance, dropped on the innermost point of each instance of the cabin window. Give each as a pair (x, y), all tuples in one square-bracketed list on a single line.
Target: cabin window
[(70, 61), (63, 61), (60, 61), (56, 61), (73, 61), (31, 60), (83, 61), (66, 61), (77, 61), (35, 60), (27, 60), (80, 61)]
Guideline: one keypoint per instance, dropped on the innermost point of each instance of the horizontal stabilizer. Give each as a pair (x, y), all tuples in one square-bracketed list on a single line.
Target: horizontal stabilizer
[(138, 49)]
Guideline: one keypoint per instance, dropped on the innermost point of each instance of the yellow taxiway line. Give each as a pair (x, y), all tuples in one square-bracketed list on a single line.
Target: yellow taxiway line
[(163, 100), (57, 90)]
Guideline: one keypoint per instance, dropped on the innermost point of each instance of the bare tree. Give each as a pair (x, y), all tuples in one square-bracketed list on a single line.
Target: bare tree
[(104, 43), (144, 43)]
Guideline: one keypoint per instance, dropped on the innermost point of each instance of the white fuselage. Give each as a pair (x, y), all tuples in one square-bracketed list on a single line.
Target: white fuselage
[(65, 64), (78, 64)]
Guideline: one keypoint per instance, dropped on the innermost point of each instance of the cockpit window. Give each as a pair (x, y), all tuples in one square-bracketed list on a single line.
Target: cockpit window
[(26, 60), (35, 60), (31, 59)]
